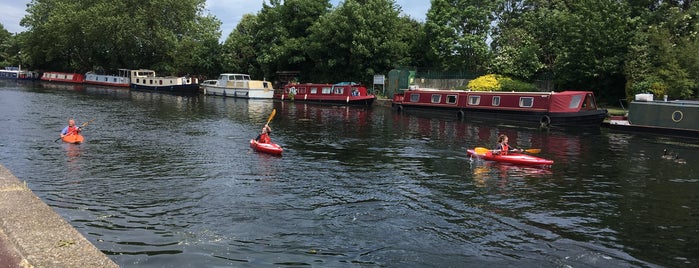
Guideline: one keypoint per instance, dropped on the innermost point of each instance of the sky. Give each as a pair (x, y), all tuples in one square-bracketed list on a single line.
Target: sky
[(229, 12)]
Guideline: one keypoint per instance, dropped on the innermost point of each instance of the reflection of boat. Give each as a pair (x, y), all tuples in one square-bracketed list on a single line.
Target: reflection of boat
[(341, 93), (120, 80), (512, 158), (18, 73), (63, 77), (677, 117), (146, 80), (268, 148), (567, 108), (238, 86)]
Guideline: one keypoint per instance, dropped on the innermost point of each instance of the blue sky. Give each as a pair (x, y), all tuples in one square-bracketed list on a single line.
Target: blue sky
[(228, 11)]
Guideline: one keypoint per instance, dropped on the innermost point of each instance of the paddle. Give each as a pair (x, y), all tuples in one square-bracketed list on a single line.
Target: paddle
[(274, 112), (81, 126), (482, 150)]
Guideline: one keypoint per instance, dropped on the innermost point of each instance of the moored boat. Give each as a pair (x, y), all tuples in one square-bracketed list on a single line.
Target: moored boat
[(239, 86), (512, 158), (268, 148), (674, 117), (567, 108), (147, 80), (63, 77), (119, 80), (18, 74), (74, 138), (340, 93)]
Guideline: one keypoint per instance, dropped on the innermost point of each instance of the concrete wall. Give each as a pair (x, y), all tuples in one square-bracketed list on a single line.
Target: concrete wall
[(33, 235)]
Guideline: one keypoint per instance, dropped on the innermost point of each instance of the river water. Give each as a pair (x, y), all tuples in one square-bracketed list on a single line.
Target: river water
[(170, 181)]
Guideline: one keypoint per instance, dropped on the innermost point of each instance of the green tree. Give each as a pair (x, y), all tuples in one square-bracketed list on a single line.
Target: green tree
[(239, 51), (357, 40), (458, 31), (81, 35)]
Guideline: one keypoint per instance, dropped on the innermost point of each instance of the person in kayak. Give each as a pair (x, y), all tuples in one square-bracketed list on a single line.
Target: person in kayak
[(71, 129), (264, 135), (503, 148)]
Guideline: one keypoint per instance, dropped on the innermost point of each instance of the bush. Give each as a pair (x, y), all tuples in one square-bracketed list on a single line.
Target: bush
[(487, 82), (493, 82)]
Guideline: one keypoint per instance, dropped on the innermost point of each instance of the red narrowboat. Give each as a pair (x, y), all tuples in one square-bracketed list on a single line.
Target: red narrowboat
[(63, 77), (341, 93), (567, 108)]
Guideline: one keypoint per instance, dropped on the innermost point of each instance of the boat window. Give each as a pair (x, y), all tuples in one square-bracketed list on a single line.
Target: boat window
[(474, 100), (414, 97), (589, 102), (526, 101), (302, 90), (327, 90), (436, 98), (151, 82), (496, 100), (451, 99), (575, 101), (339, 90), (314, 90)]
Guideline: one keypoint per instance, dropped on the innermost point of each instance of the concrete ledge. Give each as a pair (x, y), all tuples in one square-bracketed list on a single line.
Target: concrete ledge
[(33, 235)]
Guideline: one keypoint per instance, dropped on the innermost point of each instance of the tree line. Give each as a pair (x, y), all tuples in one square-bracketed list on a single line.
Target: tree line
[(615, 48)]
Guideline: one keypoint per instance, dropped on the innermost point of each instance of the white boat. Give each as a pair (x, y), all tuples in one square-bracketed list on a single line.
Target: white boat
[(147, 80), (18, 73), (120, 80), (239, 86)]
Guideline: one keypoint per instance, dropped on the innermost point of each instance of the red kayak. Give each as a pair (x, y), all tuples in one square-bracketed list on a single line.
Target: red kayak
[(75, 138), (512, 158), (269, 148)]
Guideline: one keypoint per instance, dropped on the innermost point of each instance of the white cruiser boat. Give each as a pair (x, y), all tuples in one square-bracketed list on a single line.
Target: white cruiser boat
[(239, 86)]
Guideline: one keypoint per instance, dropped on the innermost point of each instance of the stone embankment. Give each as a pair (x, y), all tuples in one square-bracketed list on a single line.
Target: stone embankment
[(33, 235)]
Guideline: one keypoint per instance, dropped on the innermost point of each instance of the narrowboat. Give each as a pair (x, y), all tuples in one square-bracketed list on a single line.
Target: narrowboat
[(341, 93), (144, 79), (18, 74), (674, 117), (119, 80), (239, 86), (567, 108), (63, 77)]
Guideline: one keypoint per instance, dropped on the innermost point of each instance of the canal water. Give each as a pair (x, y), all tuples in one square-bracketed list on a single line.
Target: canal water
[(170, 181)]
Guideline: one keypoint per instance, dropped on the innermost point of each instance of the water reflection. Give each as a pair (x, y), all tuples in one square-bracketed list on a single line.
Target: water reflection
[(167, 180)]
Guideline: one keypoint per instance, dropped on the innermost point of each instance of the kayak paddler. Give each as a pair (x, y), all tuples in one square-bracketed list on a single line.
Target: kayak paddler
[(71, 129), (503, 148), (264, 135)]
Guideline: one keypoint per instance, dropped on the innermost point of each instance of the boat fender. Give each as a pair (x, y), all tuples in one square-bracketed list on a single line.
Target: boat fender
[(461, 114), (399, 108), (545, 121)]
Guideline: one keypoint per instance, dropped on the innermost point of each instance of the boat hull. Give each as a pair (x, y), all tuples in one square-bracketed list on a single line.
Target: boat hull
[(512, 158), (75, 139), (345, 93), (676, 118), (238, 92), (176, 89), (268, 148), (564, 109)]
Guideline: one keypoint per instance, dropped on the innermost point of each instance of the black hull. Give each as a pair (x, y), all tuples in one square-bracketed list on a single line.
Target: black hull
[(190, 89)]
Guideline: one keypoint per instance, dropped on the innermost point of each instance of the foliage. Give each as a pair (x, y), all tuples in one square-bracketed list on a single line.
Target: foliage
[(81, 35), (487, 82), (458, 31), (508, 84)]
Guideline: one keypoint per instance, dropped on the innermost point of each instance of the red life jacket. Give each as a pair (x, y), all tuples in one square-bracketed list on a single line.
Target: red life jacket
[(504, 149), (264, 138), (73, 130)]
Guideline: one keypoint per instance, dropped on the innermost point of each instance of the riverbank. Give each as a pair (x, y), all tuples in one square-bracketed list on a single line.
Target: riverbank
[(33, 235)]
